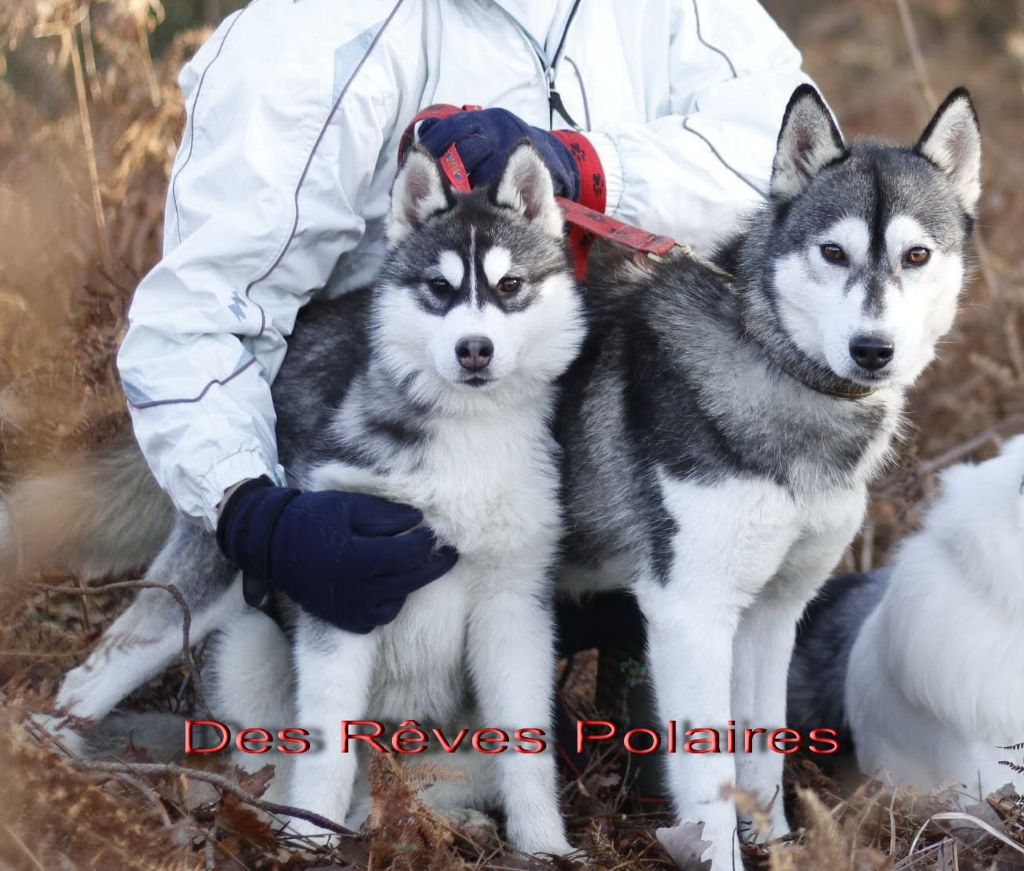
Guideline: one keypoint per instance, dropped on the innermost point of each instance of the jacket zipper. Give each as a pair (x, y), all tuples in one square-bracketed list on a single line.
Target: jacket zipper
[(548, 67)]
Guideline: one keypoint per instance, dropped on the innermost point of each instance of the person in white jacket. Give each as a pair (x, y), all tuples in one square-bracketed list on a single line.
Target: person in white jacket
[(295, 111)]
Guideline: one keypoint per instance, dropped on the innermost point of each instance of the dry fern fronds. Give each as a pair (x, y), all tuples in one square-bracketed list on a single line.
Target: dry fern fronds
[(405, 835), (827, 844), (53, 816)]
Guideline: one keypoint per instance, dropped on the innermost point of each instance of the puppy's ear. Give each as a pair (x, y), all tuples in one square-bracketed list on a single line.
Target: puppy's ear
[(808, 141), (526, 187), (952, 141), (419, 191)]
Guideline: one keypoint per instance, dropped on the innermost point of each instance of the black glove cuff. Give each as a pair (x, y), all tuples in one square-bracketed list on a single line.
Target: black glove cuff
[(231, 508), (245, 532)]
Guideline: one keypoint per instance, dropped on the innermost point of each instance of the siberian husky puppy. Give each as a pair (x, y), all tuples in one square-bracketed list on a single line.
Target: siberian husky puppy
[(434, 387)]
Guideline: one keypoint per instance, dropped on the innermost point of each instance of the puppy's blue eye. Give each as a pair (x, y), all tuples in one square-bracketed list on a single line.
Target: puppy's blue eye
[(834, 254), (440, 286)]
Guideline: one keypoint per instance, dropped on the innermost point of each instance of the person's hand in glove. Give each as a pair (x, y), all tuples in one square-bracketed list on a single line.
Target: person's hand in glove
[(347, 558), (485, 138)]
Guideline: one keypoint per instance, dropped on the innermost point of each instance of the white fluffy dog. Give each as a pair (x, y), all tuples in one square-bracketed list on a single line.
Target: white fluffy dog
[(933, 687)]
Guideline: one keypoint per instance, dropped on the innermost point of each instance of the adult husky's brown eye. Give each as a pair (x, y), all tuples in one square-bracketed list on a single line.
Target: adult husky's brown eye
[(833, 253), (510, 284), (918, 255), (440, 286)]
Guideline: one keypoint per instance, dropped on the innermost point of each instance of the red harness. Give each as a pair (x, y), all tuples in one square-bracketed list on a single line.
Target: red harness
[(584, 222)]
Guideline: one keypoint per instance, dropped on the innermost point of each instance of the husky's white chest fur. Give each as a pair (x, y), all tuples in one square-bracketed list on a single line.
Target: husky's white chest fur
[(488, 486)]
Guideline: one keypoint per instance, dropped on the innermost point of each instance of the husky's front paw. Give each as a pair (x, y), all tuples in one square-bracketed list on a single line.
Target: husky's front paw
[(540, 841), (323, 787), (65, 738), (322, 837), (471, 823), (561, 848)]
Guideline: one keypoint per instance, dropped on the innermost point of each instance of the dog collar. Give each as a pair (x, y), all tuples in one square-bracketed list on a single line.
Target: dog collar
[(838, 388), (834, 386), (854, 391)]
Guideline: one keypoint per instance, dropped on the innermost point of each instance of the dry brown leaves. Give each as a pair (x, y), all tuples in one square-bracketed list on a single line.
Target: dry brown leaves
[(54, 817), (62, 296)]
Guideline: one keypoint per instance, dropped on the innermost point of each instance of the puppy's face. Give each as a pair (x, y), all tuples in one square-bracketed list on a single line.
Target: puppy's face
[(477, 294)]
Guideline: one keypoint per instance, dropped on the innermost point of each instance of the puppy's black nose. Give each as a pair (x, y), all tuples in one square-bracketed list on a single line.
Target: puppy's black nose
[(474, 352), (872, 352)]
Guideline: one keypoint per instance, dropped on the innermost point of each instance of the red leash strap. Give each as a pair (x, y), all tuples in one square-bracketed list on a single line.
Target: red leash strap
[(451, 164), (586, 219), (593, 196), (619, 232)]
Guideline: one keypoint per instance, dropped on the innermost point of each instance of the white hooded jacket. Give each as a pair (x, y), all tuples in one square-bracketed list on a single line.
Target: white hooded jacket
[(295, 109)]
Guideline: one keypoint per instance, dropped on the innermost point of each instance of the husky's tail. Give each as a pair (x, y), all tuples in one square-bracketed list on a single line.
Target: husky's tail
[(817, 673), (99, 515)]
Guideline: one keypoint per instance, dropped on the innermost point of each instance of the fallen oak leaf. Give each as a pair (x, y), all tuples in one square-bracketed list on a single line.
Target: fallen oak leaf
[(250, 825), (685, 844), (255, 782)]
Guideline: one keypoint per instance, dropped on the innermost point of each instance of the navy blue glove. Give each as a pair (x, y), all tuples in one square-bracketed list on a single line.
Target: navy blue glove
[(347, 558), (486, 137)]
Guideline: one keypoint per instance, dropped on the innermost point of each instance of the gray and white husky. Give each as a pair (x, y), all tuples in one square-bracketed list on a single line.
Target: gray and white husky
[(435, 388), (921, 665), (719, 440)]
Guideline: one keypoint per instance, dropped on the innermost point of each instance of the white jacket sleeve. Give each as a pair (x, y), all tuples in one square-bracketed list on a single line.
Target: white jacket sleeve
[(693, 171), (267, 190)]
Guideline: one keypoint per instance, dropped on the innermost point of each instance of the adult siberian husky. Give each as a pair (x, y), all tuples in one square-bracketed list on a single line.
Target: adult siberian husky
[(435, 388), (922, 664), (719, 440)]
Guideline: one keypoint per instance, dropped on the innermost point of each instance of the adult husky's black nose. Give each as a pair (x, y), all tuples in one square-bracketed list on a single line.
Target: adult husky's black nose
[(474, 352), (872, 352)]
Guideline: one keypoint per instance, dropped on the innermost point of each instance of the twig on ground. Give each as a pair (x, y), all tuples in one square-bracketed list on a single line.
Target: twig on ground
[(916, 56), (83, 602), (23, 846), (186, 624), (89, 50), (137, 783), (967, 818), (958, 452), (71, 48), (142, 34), (219, 780)]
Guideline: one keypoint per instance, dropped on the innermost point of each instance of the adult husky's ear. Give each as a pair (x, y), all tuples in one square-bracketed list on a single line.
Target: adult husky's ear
[(808, 141), (952, 141), (526, 187), (419, 191)]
